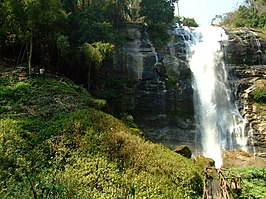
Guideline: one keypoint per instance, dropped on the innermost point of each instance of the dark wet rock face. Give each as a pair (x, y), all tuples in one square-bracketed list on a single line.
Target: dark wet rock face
[(245, 47), (163, 95)]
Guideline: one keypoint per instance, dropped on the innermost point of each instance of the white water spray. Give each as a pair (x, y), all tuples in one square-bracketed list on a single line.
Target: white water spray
[(220, 124)]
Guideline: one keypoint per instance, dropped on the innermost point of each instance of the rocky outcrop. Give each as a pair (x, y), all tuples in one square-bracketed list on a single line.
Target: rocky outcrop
[(136, 57), (245, 56), (163, 96), (204, 162), (184, 151), (236, 158), (245, 47)]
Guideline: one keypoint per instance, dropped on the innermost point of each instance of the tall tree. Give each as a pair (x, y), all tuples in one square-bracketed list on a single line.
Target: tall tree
[(159, 15), (34, 20), (157, 11), (134, 10), (251, 14)]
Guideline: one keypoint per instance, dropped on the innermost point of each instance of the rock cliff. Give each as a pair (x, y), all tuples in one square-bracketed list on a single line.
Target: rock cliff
[(245, 56), (163, 95)]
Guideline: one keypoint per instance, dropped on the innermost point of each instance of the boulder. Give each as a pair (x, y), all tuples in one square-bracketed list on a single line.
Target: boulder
[(204, 162), (184, 151), (133, 34), (238, 157)]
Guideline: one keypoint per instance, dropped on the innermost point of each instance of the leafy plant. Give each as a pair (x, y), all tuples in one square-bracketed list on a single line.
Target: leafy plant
[(58, 145), (259, 94), (63, 45), (251, 14), (253, 182), (185, 21)]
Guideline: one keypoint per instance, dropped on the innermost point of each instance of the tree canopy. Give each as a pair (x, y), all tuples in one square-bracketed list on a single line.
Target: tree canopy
[(49, 33), (186, 21), (251, 14), (156, 12)]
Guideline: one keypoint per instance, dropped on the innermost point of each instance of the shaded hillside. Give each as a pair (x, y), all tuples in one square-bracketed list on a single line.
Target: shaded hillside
[(56, 143)]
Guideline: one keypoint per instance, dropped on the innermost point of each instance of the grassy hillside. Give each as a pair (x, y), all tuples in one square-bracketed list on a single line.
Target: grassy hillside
[(56, 143)]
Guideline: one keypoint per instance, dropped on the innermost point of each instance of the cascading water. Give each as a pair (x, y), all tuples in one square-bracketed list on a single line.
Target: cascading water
[(152, 48), (159, 84), (259, 52), (220, 125)]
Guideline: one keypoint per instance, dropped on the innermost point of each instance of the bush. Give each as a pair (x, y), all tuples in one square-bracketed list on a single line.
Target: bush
[(252, 15), (253, 182), (60, 146), (157, 162), (259, 94)]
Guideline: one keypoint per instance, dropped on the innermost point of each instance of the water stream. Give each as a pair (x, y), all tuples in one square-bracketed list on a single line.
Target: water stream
[(259, 52), (152, 47), (220, 125)]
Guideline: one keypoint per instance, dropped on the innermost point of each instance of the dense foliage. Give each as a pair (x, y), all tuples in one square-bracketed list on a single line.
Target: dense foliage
[(159, 15), (259, 94), (253, 182), (251, 14), (56, 143), (186, 21), (157, 12), (50, 33)]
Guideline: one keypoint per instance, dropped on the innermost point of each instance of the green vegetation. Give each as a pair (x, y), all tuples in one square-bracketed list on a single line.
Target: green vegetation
[(159, 16), (259, 94), (253, 182), (56, 143), (157, 12), (78, 39), (186, 21), (51, 33), (252, 14)]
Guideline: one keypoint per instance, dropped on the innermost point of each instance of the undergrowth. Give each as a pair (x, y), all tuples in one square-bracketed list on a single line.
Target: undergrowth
[(56, 143), (253, 183)]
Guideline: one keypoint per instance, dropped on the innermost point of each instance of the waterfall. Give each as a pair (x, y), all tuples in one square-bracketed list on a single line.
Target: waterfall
[(220, 125), (185, 38), (259, 52), (152, 47)]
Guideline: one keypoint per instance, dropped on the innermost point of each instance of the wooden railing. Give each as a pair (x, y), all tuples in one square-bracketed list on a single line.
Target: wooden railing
[(218, 183)]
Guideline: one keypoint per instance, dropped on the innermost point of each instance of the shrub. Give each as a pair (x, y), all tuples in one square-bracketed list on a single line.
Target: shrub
[(259, 94), (253, 182), (60, 146)]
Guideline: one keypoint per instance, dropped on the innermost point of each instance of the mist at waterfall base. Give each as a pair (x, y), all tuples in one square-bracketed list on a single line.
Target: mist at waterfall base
[(220, 126)]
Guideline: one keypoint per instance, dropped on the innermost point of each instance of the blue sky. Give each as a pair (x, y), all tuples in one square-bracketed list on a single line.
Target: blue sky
[(203, 11)]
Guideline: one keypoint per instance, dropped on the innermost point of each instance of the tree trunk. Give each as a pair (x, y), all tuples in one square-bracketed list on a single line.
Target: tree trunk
[(19, 54), (30, 53), (178, 11), (25, 52), (89, 77)]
